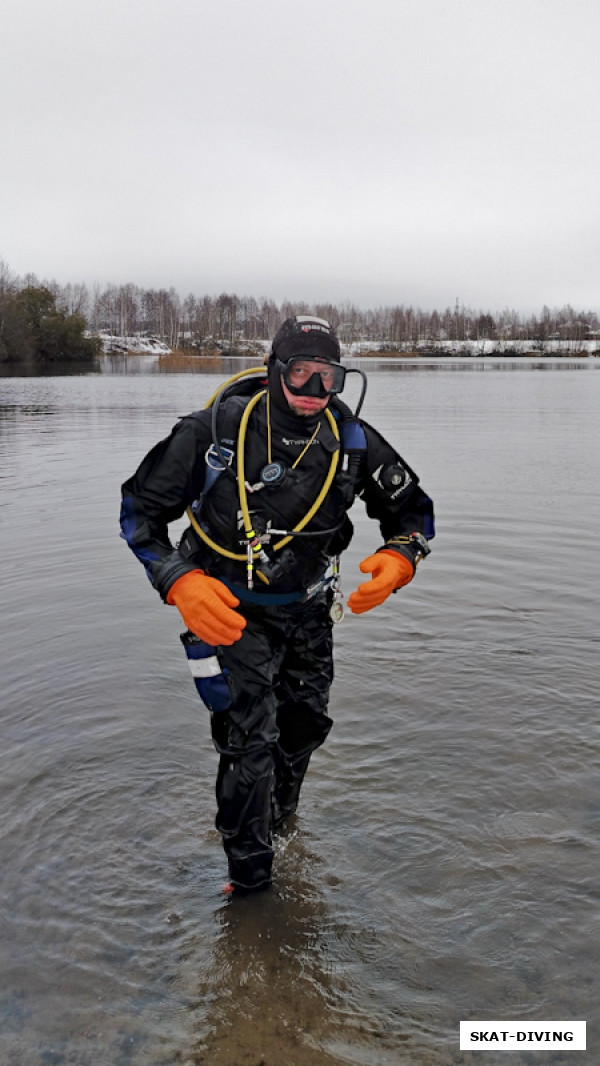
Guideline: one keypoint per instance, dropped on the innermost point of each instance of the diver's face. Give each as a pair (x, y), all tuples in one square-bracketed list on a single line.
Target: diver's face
[(299, 374)]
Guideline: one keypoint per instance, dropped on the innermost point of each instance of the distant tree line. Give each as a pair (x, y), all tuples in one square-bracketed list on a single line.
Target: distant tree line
[(224, 320), (196, 320)]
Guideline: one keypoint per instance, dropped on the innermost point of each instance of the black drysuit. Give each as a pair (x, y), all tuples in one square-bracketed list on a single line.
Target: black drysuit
[(268, 693)]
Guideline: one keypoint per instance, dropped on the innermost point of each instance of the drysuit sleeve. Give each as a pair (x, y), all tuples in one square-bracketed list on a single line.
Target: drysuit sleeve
[(394, 498), (168, 479)]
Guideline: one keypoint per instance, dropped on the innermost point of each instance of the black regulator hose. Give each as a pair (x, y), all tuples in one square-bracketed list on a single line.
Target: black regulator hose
[(363, 391)]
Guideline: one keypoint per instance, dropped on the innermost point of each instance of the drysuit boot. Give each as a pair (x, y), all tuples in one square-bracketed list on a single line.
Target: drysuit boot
[(288, 781)]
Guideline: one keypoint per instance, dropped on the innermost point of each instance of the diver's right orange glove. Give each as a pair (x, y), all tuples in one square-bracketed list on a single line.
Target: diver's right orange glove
[(205, 605)]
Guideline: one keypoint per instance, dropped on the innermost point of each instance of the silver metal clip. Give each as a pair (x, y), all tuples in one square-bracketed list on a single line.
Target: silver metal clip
[(336, 611), (250, 566)]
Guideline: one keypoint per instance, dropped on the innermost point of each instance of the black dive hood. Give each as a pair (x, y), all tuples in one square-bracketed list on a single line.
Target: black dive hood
[(307, 336), (303, 337)]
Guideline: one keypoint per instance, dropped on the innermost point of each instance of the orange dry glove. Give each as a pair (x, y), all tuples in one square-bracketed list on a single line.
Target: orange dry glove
[(390, 571), (205, 606)]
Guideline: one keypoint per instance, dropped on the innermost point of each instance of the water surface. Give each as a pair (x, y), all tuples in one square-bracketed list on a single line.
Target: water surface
[(444, 864)]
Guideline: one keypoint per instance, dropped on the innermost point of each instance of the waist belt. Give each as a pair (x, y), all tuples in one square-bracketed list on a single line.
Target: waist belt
[(277, 599)]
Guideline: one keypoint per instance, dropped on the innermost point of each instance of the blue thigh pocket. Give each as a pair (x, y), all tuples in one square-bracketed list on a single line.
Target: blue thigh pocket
[(209, 679)]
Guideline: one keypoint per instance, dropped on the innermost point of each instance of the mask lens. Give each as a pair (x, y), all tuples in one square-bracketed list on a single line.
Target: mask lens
[(298, 373)]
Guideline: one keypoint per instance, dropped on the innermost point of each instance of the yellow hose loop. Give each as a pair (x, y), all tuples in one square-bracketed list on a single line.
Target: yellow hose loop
[(211, 543), (335, 458), (243, 557), (241, 470), (241, 374)]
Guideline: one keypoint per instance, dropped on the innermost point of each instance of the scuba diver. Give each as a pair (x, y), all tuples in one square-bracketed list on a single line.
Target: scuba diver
[(267, 473)]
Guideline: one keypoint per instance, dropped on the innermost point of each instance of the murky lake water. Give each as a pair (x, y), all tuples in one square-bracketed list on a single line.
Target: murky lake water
[(445, 863)]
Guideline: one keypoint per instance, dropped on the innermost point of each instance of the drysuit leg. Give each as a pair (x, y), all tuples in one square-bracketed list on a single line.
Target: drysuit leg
[(302, 695), (279, 674), (246, 737)]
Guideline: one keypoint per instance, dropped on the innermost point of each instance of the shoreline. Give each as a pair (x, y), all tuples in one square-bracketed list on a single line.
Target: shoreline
[(509, 350)]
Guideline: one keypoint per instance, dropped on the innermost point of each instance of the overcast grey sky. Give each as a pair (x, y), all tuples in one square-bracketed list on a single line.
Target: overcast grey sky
[(375, 151)]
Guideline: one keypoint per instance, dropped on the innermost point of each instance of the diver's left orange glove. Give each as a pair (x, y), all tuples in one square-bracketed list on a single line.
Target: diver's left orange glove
[(390, 571)]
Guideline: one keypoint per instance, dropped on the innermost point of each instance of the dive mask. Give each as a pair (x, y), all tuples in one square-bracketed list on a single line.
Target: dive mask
[(307, 376)]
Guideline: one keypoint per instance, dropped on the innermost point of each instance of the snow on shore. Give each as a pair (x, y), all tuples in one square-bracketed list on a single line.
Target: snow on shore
[(148, 345), (476, 348), (135, 345)]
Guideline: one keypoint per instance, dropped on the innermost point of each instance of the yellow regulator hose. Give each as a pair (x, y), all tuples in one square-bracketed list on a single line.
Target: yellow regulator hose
[(251, 535)]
